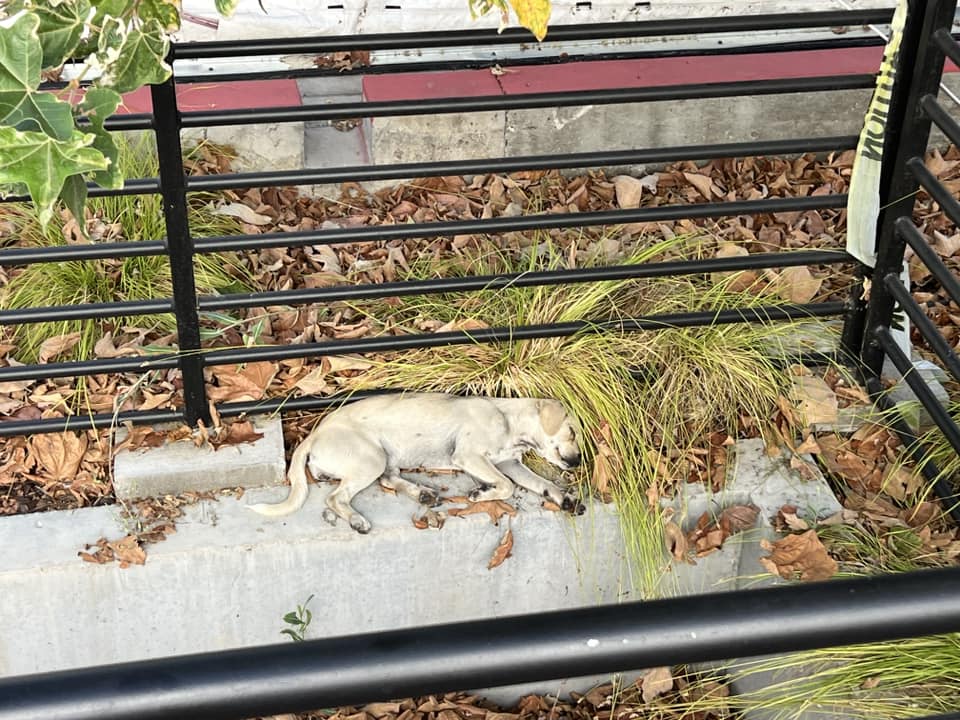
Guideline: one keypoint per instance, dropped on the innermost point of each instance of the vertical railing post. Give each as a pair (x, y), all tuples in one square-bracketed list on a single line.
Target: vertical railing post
[(920, 68), (173, 184)]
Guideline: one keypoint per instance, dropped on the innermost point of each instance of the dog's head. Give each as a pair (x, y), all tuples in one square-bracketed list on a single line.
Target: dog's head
[(559, 444)]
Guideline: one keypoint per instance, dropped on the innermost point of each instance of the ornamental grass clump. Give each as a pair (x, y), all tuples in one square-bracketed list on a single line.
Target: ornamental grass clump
[(644, 399), (128, 218)]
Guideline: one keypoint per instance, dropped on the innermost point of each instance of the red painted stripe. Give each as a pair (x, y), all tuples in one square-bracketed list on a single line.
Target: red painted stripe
[(642, 72), (222, 96)]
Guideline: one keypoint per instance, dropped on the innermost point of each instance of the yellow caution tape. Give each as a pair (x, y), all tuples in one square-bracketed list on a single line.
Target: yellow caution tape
[(863, 202)]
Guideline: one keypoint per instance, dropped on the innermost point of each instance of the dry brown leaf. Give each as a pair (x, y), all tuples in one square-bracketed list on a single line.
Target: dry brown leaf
[(503, 550), (381, 709), (429, 519), (737, 518), (496, 509), (237, 432), (52, 347), (342, 363), (629, 191), (128, 551), (607, 464), (799, 556), (798, 285), (465, 325), (656, 682), (312, 383), (59, 454), (787, 518), (702, 183), (816, 401), (675, 541)]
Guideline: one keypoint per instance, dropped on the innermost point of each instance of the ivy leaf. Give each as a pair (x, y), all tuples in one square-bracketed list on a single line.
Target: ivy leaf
[(44, 163), (533, 15), (61, 26), (21, 103), (226, 7), (132, 57), (98, 104), (74, 196), (165, 13), (102, 9)]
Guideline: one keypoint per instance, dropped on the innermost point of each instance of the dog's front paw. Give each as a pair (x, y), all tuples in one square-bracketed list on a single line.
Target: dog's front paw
[(572, 505), (360, 523), (429, 497), (330, 516)]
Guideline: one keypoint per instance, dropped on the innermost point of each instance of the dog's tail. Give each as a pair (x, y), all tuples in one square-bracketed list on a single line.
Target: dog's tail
[(298, 486)]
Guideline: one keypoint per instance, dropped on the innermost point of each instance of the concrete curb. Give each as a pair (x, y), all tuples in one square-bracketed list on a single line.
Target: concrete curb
[(227, 576)]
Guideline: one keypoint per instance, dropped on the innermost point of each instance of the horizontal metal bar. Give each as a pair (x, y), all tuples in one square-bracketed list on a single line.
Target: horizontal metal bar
[(357, 669), (133, 186), (484, 62), (937, 412), (510, 164), (918, 451), (524, 279), (118, 123), (945, 42), (513, 36), (489, 103), (941, 118), (935, 189), (81, 368), (526, 332), (99, 421), (293, 404), (85, 311), (545, 221), (915, 239), (93, 251), (931, 334)]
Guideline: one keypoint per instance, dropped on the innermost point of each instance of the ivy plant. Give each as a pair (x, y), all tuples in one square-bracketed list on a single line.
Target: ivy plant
[(52, 143)]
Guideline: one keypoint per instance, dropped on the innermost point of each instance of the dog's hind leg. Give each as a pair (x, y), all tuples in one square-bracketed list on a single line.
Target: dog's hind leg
[(418, 493), (527, 478), (357, 470)]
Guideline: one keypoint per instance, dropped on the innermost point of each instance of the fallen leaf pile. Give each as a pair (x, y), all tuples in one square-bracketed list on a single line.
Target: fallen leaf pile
[(659, 694), (150, 521), (799, 557)]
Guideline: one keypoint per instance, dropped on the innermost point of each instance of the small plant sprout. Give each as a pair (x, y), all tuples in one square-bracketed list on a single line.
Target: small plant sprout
[(299, 620)]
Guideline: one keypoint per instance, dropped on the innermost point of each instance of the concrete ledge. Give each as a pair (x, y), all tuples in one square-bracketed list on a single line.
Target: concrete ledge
[(227, 576), (179, 467)]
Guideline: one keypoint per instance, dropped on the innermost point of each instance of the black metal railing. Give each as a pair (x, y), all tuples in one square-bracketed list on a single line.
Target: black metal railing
[(366, 668), (927, 43), (167, 120), (324, 673)]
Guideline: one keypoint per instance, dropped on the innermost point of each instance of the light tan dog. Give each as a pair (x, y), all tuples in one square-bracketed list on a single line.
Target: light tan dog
[(486, 438)]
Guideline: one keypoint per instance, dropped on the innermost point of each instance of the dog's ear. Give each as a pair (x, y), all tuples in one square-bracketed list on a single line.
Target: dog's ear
[(552, 415)]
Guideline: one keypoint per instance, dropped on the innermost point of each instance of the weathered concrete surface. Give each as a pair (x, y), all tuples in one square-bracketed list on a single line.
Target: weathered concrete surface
[(227, 576), (179, 467)]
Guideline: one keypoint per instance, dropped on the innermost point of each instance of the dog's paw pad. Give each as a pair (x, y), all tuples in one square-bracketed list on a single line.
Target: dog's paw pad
[(572, 505), (360, 524), (330, 517), (429, 497), (475, 495)]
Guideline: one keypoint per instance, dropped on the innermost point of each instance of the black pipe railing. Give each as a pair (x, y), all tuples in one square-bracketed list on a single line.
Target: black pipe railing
[(167, 119), (358, 669)]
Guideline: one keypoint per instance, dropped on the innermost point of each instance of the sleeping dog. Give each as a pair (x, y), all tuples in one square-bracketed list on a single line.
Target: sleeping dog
[(486, 438)]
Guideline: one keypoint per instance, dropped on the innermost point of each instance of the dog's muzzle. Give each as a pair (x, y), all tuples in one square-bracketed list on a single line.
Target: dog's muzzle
[(572, 461)]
